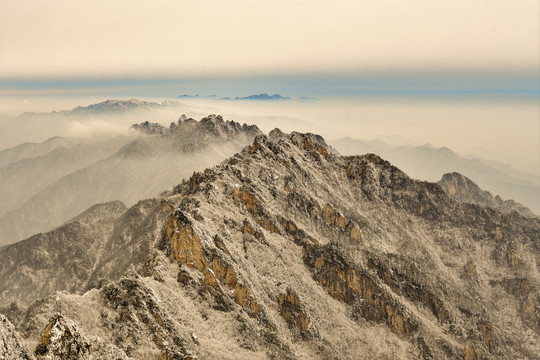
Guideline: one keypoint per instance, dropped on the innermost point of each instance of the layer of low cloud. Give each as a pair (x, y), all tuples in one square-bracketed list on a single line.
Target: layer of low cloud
[(95, 128)]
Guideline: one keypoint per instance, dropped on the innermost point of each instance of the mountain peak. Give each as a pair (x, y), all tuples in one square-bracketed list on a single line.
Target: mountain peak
[(461, 188), (115, 106), (211, 125), (263, 96), (277, 143)]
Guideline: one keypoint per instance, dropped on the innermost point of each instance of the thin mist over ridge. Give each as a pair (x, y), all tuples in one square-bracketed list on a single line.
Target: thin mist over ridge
[(42, 189), (484, 129), (503, 130)]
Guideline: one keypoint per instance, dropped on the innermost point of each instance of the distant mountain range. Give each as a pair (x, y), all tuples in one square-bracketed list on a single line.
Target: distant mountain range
[(187, 96), (429, 163), (37, 127), (121, 107), (263, 96), (109, 107)]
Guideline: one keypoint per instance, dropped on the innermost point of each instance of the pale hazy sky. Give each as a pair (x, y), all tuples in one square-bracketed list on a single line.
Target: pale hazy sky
[(65, 38)]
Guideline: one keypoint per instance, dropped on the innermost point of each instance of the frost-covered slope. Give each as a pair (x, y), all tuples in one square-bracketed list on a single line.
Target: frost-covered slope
[(63, 259), (11, 345), (288, 250)]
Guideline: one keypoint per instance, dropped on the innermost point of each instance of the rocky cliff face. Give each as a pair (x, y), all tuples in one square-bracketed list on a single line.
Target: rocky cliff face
[(288, 250), (464, 189)]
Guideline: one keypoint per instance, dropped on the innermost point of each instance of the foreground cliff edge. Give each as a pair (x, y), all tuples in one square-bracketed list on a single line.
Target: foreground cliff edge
[(286, 250)]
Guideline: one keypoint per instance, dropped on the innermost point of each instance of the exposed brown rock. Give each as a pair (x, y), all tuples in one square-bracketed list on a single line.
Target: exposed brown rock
[(488, 336), (327, 213), (255, 207), (470, 269), (220, 244), (529, 313), (512, 258), (314, 145), (293, 312), (519, 287), (332, 217), (184, 242), (62, 340), (184, 246), (498, 234), (249, 229), (347, 284), (472, 353), (354, 232), (184, 277)]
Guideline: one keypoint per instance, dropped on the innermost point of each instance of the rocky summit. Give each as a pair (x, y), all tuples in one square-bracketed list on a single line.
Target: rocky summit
[(286, 250), (464, 189)]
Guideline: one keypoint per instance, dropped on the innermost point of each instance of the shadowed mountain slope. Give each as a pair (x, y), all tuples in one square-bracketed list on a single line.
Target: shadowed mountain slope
[(30, 150), (22, 179)]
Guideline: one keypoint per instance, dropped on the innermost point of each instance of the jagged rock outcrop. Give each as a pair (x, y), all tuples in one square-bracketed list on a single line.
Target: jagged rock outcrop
[(464, 189), (209, 127), (60, 339), (294, 313), (150, 128), (288, 250)]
